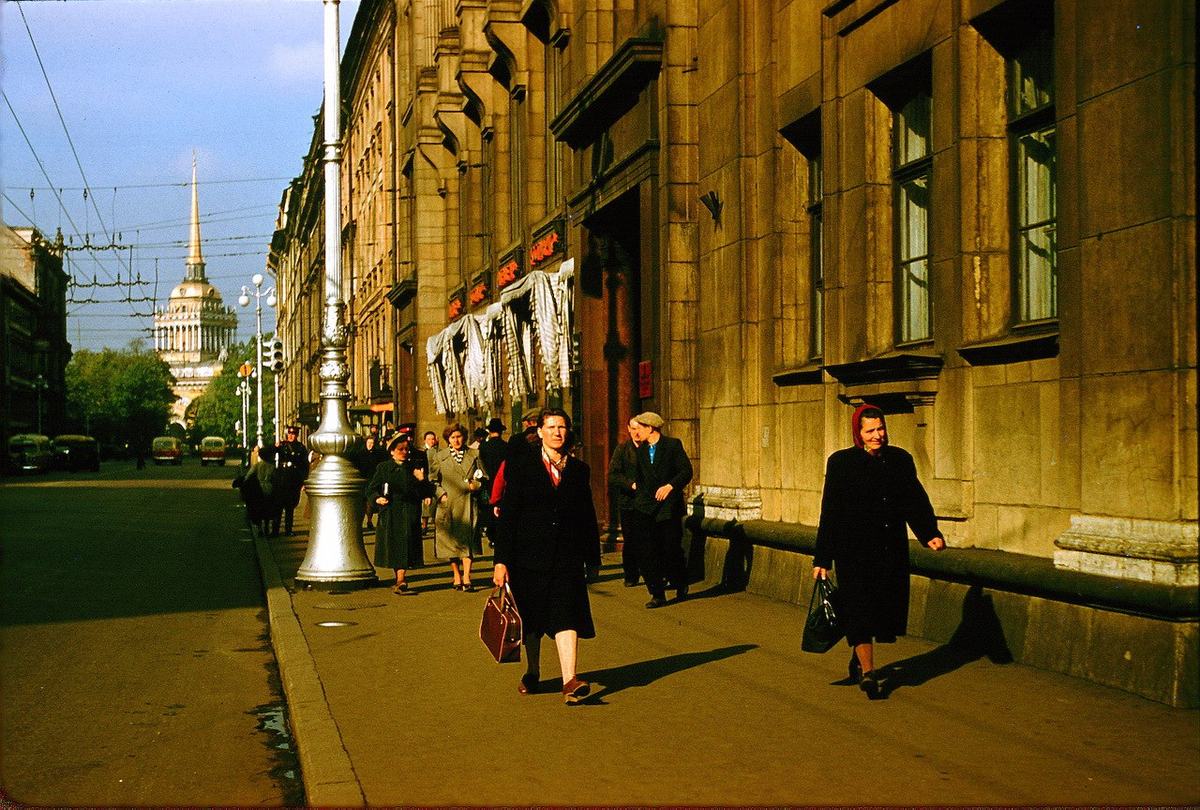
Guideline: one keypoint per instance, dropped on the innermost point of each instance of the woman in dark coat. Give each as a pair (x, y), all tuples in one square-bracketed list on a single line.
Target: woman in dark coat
[(546, 539), (398, 489), (871, 496), (257, 484)]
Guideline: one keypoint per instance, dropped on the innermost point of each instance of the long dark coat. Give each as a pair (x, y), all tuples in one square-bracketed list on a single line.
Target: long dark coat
[(670, 466), (547, 536), (398, 537), (291, 460), (867, 504)]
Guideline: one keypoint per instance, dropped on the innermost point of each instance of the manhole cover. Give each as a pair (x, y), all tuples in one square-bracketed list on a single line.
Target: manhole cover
[(336, 624)]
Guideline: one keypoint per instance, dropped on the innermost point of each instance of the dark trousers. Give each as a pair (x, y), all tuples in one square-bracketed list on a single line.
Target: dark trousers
[(630, 543), (660, 553)]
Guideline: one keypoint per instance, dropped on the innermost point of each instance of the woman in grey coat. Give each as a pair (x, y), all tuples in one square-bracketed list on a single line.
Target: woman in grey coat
[(457, 476)]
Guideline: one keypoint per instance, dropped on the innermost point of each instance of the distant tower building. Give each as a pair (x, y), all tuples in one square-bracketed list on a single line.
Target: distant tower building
[(193, 332)]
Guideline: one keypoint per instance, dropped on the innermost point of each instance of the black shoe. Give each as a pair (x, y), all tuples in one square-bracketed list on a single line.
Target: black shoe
[(656, 602), (869, 684), (631, 583), (681, 593)]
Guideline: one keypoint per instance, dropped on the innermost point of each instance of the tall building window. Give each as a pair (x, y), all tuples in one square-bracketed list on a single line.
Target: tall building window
[(1034, 152), (912, 165), (553, 165), (816, 258)]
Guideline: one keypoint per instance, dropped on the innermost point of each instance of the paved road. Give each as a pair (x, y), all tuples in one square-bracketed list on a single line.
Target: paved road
[(705, 702), (137, 669)]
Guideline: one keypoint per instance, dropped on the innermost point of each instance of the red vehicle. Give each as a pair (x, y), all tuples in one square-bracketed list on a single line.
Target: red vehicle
[(212, 450), (167, 450)]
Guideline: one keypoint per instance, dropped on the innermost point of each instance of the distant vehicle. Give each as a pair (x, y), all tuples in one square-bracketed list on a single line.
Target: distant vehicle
[(29, 452), (167, 449), (212, 449), (76, 453)]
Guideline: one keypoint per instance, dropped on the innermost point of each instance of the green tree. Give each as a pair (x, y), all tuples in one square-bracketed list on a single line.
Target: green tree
[(119, 397), (218, 410)]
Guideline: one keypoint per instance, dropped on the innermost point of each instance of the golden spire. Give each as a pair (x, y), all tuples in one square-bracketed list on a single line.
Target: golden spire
[(195, 261)]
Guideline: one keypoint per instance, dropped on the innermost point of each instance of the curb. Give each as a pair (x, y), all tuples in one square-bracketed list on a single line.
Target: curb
[(325, 767)]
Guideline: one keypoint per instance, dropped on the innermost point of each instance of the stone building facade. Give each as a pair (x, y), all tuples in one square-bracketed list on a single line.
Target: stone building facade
[(976, 214), (34, 351)]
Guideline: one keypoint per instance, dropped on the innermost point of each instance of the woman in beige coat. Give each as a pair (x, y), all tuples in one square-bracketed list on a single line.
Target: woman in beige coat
[(457, 476)]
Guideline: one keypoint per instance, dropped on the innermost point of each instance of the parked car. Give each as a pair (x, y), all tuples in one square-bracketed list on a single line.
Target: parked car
[(167, 449), (76, 453), (212, 449), (29, 452)]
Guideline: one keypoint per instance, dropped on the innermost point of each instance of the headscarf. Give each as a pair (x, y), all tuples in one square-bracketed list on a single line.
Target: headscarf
[(856, 424)]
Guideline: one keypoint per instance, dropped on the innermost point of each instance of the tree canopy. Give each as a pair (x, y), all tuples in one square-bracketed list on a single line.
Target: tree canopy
[(219, 409), (121, 396)]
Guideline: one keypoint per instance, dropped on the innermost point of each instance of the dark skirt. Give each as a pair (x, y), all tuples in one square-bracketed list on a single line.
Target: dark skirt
[(873, 597), (552, 601), (398, 536)]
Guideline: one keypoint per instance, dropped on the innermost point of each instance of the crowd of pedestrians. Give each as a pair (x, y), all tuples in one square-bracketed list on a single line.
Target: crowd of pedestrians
[(532, 498)]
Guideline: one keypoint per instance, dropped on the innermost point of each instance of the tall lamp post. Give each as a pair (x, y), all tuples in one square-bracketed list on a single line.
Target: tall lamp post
[(243, 390), (40, 384), (244, 300), (336, 559)]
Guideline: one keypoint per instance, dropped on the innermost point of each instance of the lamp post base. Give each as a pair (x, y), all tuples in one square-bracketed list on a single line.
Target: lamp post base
[(336, 559)]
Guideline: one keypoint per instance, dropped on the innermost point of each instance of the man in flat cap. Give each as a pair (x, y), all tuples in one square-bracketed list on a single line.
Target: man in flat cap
[(525, 440), (663, 470)]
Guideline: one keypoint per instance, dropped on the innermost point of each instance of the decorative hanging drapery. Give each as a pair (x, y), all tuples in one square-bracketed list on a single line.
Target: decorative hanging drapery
[(531, 322)]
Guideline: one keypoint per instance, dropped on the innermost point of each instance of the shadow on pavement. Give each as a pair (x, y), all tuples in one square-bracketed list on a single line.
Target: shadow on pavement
[(979, 635), (644, 673)]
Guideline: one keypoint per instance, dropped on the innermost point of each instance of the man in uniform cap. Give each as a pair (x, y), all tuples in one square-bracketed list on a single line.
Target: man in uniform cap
[(291, 461), (663, 470)]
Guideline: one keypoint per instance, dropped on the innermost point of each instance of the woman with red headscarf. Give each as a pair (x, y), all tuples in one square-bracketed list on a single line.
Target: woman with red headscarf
[(871, 496)]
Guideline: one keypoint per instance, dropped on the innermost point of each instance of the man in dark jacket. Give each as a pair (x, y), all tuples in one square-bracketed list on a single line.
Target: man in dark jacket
[(622, 485), (663, 470), (291, 462), (520, 442), (492, 452)]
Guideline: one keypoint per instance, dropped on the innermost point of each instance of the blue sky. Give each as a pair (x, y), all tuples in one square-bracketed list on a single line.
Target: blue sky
[(141, 85)]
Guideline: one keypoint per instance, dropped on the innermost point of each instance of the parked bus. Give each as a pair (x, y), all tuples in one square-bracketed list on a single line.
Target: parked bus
[(29, 452), (212, 449), (167, 449), (76, 453)]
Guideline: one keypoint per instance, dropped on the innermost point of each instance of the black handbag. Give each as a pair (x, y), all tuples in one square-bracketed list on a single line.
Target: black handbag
[(822, 631)]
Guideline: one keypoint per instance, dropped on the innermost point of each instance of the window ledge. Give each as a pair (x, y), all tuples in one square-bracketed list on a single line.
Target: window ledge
[(891, 367), (1011, 349), (808, 374)]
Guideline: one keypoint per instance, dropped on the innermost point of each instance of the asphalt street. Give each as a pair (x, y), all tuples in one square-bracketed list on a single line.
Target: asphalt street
[(137, 668)]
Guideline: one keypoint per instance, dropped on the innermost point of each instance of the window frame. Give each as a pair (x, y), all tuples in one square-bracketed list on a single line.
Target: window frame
[(905, 172), (1022, 123)]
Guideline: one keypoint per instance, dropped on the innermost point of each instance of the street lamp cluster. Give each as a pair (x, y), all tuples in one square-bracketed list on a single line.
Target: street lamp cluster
[(244, 300)]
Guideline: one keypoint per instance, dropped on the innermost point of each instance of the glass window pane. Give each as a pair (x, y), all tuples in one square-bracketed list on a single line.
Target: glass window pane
[(1038, 280), (914, 315), (912, 130), (914, 218), (1031, 75), (1036, 169), (818, 286)]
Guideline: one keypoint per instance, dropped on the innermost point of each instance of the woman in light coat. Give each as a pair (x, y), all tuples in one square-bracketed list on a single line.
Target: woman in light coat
[(457, 476)]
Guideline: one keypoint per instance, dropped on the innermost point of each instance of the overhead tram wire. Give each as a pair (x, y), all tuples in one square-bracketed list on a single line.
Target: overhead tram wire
[(183, 184)]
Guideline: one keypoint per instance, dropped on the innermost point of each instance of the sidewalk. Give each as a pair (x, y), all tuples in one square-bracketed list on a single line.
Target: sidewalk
[(705, 702)]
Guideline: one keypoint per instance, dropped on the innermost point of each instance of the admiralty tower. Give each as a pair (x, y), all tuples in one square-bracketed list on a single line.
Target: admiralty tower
[(192, 333)]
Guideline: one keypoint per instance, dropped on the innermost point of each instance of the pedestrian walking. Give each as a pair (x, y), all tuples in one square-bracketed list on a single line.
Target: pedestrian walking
[(257, 486), (291, 459), (367, 461), (398, 488), (547, 544), (492, 452), (622, 485), (428, 455), (871, 495), (457, 476), (663, 470), (527, 437)]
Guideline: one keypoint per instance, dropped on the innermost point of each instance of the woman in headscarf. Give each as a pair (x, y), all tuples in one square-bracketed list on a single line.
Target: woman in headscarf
[(398, 488), (871, 496), (458, 475)]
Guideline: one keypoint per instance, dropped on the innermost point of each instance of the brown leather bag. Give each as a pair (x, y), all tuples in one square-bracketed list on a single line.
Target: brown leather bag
[(500, 628)]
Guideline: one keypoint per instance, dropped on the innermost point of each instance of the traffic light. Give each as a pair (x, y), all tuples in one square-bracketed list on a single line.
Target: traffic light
[(273, 355)]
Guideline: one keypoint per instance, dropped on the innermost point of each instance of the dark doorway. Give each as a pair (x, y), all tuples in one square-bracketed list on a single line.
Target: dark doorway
[(610, 326)]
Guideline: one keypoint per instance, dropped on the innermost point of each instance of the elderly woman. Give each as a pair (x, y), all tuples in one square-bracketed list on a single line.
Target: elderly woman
[(457, 476), (398, 489), (871, 494)]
